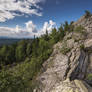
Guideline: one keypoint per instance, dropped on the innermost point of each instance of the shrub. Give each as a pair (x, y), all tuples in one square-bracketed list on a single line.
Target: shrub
[(87, 14), (10, 82), (89, 77), (79, 29), (65, 50), (69, 38), (82, 47)]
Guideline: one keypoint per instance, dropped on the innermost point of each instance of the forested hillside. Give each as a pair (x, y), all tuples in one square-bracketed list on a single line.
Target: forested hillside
[(25, 58)]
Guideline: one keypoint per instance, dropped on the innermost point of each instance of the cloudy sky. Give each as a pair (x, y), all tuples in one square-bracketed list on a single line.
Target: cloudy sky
[(26, 18)]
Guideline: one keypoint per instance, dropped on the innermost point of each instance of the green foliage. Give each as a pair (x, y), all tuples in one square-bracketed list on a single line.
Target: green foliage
[(22, 77), (71, 26), (82, 47), (64, 50), (29, 49), (46, 36), (61, 32), (54, 36), (89, 77), (7, 55), (87, 14), (11, 83), (66, 26), (32, 55), (21, 51), (79, 29)]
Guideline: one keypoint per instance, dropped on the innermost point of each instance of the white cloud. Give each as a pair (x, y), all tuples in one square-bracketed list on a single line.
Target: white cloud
[(5, 31), (48, 26), (29, 31), (11, 8), (31, 27), (17, 29)]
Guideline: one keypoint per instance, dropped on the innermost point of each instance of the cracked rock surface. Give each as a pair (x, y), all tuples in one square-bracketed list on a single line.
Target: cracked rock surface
[(66, 72)]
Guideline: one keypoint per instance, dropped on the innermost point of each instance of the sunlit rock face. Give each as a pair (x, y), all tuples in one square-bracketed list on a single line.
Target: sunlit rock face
[(86, 23), (67, 69)]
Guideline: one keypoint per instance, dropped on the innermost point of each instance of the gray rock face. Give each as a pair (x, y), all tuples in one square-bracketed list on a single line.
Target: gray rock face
[(67, 67), (70, 43), (88, 43), (65, 73), (89, 70), (79, 66), (86, 23), (55, 71), (71, 86)]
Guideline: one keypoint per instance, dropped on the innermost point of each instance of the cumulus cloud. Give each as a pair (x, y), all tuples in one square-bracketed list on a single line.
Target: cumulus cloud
[(31, 27), (48, 26), (11, 8), (17, 29), (29, 31), (5, 31)]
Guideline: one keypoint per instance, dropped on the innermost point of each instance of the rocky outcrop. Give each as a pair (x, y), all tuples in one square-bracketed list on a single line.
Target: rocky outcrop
[(54, 70), (72, 86), (86, 23), (63, 73), (78, 66), (67, 71)]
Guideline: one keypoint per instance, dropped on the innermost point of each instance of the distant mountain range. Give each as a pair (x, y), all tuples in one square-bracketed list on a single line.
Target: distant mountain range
[(8, 40)]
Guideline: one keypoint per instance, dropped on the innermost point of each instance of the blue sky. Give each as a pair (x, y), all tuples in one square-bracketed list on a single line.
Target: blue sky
[(56, 11)]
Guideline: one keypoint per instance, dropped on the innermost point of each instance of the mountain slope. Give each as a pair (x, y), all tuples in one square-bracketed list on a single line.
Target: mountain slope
[(70, 64)]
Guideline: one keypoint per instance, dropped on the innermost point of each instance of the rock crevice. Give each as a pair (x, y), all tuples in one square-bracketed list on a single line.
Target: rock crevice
[(67, 71), (79, 66)]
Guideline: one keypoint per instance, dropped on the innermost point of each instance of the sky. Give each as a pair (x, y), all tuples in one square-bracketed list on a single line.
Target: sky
[(26, 18)]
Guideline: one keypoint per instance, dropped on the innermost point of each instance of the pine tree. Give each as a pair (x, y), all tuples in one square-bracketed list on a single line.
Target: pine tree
[(87, 14)]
